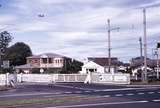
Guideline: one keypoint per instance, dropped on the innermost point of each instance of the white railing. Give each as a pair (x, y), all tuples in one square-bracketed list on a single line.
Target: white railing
[(6, 79), (51, 78), (110, 78), (34, 78), (70, 78), (51, 65), (2, 79)]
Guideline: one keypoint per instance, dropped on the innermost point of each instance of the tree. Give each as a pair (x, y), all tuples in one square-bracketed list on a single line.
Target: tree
[(5, 39), (158, 45), (17, 53), (71, 66)]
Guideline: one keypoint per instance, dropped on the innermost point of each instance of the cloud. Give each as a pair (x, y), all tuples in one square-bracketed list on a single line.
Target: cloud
[(78, 28)]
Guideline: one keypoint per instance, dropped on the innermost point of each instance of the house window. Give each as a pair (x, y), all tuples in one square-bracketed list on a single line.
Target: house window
[(44, 60), (87, 71), (50, 60), (61, 61), (91, 70), (35, 61), (56, 61), (29, 61)]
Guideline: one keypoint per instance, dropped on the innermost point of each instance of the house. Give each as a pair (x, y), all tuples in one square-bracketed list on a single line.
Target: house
[(99, 65), (43, 62), (137, 66), (138, 71), (123, 67)]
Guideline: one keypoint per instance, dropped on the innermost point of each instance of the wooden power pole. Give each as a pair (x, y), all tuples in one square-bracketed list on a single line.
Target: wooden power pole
[(109, 44), (145, 47)]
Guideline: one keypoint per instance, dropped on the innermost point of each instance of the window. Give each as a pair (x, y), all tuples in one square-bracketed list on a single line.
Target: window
[(44, 60), (61, 61), (55, 61), (91, 70), (50, 60), (29, 61), (35, 61)]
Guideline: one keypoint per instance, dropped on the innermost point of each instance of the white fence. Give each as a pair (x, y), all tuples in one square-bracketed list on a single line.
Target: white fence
[(70, 78), (51, 78), (34, 78), (6, 79), (110, 78), (3, 79)]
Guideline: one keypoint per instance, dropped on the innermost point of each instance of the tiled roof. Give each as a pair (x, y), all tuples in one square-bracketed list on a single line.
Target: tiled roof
[(103, 61), (139, 61), (49, 55), (26, 66)]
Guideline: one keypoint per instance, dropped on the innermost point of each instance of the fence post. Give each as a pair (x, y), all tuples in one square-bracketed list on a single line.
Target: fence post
[(64, 78), (76, 79), (88, 78), (7, 79), (113, 79), (53, 78), (129, 79), (21, 77)]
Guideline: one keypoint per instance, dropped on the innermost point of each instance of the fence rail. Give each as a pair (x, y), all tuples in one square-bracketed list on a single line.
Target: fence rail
[(6, 79), (110, 79)]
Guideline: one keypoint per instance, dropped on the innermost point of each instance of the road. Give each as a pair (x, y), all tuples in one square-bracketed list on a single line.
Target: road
[(78, 95)]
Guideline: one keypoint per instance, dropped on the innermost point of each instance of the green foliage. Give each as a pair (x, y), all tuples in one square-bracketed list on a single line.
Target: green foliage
[(35, 71), (53, 70), (71, 66), (158, 45), (5, 39), (17, 53)]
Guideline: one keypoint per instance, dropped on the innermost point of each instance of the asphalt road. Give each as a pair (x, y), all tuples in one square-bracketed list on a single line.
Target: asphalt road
[(94, 95)]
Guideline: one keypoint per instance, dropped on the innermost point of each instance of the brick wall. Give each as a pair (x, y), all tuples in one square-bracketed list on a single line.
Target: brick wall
[(33, 61)]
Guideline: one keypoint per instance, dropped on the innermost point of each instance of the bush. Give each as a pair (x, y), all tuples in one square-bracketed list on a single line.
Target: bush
[(35, 71), (51, 71)]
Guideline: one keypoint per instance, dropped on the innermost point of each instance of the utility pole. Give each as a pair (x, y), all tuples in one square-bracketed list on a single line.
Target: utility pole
[(0, 60), (109, 44), (157, 64), (140, 42), (145, 47), (109, 47)]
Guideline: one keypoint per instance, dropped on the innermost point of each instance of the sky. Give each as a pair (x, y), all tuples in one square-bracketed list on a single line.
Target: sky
[(78, 28)]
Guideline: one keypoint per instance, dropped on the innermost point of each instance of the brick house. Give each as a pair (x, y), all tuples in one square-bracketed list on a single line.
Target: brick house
[(44, 61)]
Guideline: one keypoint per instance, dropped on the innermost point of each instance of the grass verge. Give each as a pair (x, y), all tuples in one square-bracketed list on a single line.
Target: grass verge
[(43, 101)]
